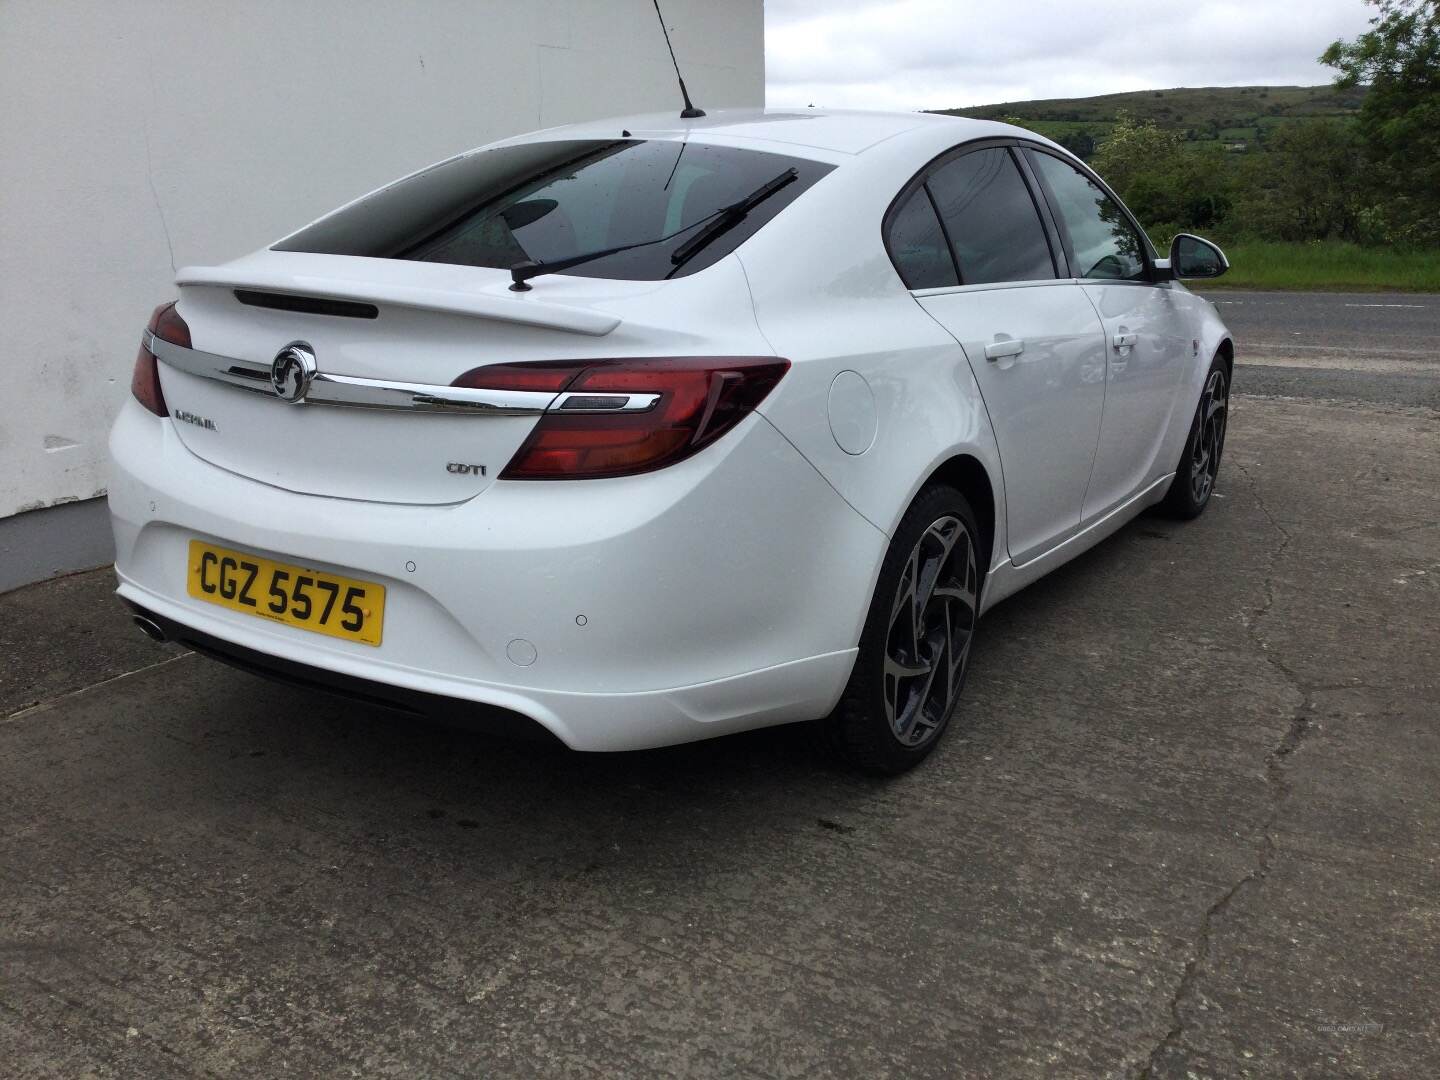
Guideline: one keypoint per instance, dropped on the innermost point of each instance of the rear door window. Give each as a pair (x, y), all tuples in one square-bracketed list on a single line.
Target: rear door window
[(991, 218), (917, 244), (546, 201), (1104, 242)]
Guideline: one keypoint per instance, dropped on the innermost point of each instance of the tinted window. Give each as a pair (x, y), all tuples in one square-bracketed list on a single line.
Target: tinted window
[(1104, 243), (917, 245), (551, 200), (993, 224)]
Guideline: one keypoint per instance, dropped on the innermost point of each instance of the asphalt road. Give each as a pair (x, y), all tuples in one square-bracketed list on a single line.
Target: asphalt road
[(1189, 826), (1378, 348)]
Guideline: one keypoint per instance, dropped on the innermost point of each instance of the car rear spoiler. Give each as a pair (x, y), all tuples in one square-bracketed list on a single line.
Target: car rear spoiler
[(520, 308)]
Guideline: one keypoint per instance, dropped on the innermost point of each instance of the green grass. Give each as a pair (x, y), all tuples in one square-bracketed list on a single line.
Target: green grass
[(1327, 266), (1052, 128)]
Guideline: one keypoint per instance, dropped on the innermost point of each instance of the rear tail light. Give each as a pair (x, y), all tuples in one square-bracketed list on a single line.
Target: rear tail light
[(167, 325), (700, 398)]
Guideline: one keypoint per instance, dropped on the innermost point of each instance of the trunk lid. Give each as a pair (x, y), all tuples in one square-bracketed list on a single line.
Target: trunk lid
[(421, 323)]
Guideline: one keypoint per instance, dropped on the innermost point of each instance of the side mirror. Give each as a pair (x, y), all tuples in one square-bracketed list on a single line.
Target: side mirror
[(1194, 257)]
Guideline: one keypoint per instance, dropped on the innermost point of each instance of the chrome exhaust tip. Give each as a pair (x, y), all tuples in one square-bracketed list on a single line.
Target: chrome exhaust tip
[(149, 627)]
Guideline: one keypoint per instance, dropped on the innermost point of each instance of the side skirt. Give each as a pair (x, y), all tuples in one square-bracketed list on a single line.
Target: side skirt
[(1009, 578)]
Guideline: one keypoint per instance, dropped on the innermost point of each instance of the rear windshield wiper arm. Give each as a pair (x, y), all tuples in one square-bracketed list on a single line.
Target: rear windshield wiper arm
[(522, 272), (730, 216), (722, 220)]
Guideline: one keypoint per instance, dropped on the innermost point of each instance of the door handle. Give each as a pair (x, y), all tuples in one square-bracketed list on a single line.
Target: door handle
[(1125, 340), (996, 349)]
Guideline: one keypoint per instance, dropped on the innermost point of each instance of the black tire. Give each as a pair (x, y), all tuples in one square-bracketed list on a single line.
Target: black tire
[(1199, 464), (887, 722)]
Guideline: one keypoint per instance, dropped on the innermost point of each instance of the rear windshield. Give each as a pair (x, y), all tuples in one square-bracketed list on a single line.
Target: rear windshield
[(546, 201)]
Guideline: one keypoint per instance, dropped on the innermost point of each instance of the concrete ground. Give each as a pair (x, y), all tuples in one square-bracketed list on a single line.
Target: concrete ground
[(1189, 826)]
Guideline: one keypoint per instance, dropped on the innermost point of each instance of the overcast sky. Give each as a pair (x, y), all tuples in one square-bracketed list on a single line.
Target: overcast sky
[(936, 54)]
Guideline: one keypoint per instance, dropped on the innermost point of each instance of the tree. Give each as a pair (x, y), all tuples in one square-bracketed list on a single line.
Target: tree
[(1399, 57), (1169, 186), (1305, 185), (1080, 143)]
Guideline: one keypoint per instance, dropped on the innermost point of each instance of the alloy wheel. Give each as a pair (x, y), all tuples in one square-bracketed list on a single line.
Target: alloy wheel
[(1210, 439), (932, 622)]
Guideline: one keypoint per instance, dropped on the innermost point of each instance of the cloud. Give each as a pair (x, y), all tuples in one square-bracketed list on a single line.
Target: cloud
[(932, 54)]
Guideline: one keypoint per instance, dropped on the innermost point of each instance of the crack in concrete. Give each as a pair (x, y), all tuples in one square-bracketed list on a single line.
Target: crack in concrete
[(47, 703), (1276, 782)]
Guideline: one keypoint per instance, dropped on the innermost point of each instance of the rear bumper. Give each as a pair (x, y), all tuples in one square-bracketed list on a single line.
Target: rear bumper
[(724, 593), (799, 690), (363, 691)]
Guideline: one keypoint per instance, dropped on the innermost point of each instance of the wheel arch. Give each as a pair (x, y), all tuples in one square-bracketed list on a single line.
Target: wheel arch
[(967, 474), (1226, 349)]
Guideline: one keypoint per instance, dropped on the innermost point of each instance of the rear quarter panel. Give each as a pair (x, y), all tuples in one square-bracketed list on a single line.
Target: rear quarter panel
[(828, 298)]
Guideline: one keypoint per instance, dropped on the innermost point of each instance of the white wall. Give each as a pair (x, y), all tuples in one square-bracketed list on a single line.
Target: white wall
[(141, 135)]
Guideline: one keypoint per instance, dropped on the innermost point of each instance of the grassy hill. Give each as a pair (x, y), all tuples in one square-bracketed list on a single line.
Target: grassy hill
[(1232, 115)]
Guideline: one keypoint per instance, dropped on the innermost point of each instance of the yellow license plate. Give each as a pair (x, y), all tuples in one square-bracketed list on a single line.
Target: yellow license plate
[(294, 595)]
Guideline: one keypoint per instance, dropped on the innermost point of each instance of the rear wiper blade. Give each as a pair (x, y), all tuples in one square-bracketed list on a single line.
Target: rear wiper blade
[(722, 220), (730, 216)]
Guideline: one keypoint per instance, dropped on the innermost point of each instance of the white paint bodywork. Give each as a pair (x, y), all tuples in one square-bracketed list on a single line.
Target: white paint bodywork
[(1055, 386), (727, 591)]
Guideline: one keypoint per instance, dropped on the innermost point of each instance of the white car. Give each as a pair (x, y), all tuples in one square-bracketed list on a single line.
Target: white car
[(648, 430)]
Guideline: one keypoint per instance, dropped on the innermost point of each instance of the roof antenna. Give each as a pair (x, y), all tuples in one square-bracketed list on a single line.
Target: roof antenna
[(689, 112)]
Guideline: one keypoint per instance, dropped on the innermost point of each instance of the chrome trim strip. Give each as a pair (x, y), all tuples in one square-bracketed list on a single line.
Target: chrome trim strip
[(353, 392), (239, 373)]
